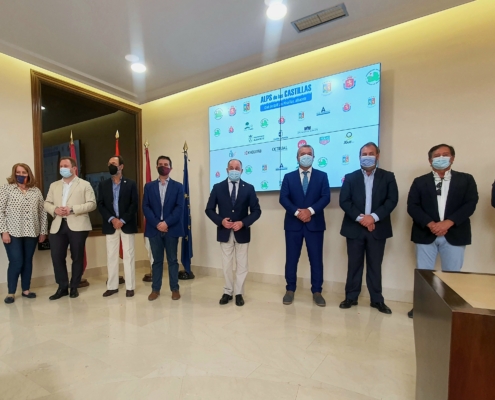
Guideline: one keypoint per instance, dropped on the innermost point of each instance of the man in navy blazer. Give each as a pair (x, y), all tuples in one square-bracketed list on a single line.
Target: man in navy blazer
[(118, 205), (368, 197), (163, 205), (238, 209), (304, 194), (440, 204)]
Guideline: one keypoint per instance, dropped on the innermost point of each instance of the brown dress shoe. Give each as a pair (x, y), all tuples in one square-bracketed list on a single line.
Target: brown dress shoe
[(129, 293), (110, 292), (175, 295), (153, 296)]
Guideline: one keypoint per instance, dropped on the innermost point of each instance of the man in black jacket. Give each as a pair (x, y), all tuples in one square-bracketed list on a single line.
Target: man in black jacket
[(440, 204), (368, 197), (238, 209), (118, 204)]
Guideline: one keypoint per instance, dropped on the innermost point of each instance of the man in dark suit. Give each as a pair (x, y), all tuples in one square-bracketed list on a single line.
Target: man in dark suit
[(238, 209), (440, 204), (304, 194), (368, 197), (118, 204), (163, 205)]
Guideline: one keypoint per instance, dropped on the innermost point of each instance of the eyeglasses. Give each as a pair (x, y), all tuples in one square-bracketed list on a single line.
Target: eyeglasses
[(439, 188)]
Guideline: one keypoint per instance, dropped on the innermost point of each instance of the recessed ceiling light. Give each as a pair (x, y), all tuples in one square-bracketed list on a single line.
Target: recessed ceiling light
[(43, 108), (138, 67), (276, 10), (132, 58)]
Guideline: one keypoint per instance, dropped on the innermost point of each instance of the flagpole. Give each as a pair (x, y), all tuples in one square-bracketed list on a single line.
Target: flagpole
[(148, 277), (186, 247)]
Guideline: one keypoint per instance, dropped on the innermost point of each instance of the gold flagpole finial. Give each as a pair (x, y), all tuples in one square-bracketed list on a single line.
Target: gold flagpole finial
[(185, 147), (71, 138), (146, 144), (117, 135)]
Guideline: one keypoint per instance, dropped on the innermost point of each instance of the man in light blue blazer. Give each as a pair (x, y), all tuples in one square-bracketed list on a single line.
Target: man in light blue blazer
[(163, 205), (304, 194)]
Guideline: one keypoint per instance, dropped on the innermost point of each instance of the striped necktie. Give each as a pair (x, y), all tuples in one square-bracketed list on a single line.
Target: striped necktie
[(305, 182)]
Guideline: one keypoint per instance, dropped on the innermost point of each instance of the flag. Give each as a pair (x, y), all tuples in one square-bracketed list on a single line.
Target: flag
[(186, 248), (72, 149), (117, 153)]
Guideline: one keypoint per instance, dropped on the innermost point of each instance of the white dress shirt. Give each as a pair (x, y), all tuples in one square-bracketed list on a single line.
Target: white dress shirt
[(65, 191), (442, 199), (301, 175)]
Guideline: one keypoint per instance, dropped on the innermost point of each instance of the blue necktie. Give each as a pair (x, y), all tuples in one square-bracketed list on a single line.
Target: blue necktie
[(232, 195), (305, 182)]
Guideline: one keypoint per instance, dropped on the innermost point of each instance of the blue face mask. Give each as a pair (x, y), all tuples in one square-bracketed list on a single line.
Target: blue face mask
[(65, 172), (306, 161), (21, 179), (440, 162), (234, 175), (367, 161)]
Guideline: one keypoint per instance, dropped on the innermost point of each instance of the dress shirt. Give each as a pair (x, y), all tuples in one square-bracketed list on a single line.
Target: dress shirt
[(368, 185), (163, 190), (65, 191), (301, 175), (442, 199), (236, 188), (116, 196)]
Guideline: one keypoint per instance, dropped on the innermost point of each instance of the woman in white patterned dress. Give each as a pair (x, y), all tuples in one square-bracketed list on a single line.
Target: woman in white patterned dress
[(23, 223)]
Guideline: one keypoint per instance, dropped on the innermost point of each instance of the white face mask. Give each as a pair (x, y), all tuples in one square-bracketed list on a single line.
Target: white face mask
[(306, 160)]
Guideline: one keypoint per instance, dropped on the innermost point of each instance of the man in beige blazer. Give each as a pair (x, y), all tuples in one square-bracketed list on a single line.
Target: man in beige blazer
[(69, 201)]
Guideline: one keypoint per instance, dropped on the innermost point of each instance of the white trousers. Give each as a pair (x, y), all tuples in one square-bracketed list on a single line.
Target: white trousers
[(241, 258), (113, 246)]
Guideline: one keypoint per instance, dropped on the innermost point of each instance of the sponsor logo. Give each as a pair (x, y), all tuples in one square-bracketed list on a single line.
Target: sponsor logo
[(216, 132), (281, 120), (371, 101), (256, 138), (231, 154), (373, 77), (264, 168), (264, 123), (281, 136), (246, 107), (349, 83), (301, 115), (327, 88), (308, 129), (301, 143), (218, 113), (256, 151), (231, 129), (322, 162), (324, 140), (281, 167), (348, 136), (264, 185), (279, 148), (248, 126), (249, 169), (347, 107), (232, 111), (217, 174), (322, 112), (345, 159)]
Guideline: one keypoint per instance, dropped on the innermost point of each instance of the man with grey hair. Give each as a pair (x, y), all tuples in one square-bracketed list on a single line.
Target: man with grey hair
[(304, 194), (368, 197), (238, 209)]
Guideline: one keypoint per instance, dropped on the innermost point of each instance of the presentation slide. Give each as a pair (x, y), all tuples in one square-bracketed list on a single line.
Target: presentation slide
[(336, 115)]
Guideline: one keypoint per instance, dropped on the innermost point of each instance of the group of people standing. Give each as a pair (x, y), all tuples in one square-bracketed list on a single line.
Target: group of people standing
[(439, 202)]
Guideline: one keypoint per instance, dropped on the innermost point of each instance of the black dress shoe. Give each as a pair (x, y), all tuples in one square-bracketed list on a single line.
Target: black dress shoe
[(129, 293), (410, 314), (30, 295), (225, 299), (9, 300), (239, 301), (73, 293), (348, 303), (60, 293), (382, 307), (110, 292)]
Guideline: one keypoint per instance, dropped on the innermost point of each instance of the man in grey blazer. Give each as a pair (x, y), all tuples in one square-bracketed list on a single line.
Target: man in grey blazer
[(69, 201)]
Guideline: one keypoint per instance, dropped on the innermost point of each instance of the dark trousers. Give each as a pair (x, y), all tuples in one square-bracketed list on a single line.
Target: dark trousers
[(59, 242), (356, 250), (293, 246), (160, 243), (20, 252)]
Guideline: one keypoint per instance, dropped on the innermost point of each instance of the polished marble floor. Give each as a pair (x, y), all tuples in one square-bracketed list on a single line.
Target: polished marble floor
[(129, 348)]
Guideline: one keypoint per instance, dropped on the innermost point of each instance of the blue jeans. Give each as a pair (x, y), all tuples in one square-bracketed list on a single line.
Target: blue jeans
[(20, 252), (452, 257), (160, 243)]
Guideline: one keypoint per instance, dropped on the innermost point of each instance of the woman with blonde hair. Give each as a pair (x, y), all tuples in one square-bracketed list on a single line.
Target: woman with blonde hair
[(23, 223)]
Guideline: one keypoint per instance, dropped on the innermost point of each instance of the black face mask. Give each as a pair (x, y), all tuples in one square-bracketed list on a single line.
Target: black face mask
[(163, 171), (113, 169)]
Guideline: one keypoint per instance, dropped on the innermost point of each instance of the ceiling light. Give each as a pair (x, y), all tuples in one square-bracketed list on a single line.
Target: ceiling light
[(132, 58), (43, 108), (138, 67), (276, 10)]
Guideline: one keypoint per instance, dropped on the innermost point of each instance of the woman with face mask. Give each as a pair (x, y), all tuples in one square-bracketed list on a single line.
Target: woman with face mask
[(23, 223)]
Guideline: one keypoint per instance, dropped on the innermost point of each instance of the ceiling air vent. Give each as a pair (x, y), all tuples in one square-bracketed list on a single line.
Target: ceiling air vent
[(320, 18)]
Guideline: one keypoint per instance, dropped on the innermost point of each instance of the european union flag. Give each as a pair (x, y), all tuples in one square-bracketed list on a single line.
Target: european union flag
[(186, 251)]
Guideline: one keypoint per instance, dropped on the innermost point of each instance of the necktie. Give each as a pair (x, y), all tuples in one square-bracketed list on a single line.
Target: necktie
[(232, 195), (305, 182)]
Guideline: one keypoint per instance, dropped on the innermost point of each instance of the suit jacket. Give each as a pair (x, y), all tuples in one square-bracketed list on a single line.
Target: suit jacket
[(317, 197), (128, 205), (82, 200), (384, 198), (173, 208), (422, 206), (246, 209), (493, 194)]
